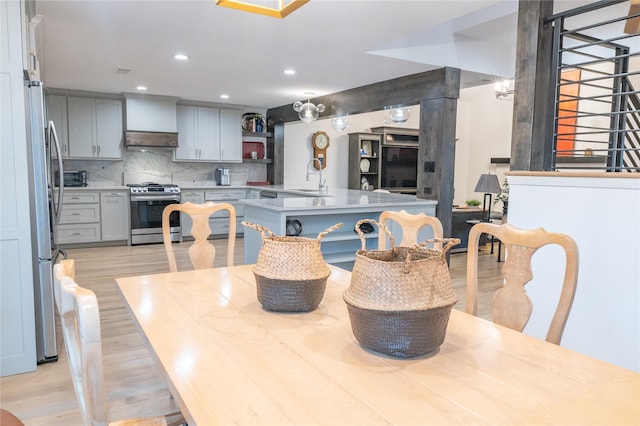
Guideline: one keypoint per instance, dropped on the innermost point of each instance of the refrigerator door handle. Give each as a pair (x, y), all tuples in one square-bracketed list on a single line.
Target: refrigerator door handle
[(53, 137)]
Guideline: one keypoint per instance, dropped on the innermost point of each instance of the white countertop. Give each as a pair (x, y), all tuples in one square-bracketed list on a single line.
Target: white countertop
[(302, 199), (336, 198)]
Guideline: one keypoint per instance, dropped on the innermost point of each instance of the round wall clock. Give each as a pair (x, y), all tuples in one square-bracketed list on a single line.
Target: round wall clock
[(320, 143)]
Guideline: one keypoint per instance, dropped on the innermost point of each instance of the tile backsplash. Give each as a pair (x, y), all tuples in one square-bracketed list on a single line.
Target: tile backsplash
[(158, 166)]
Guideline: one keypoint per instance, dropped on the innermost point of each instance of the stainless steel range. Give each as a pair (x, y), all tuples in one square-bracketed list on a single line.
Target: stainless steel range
[(148, 200)]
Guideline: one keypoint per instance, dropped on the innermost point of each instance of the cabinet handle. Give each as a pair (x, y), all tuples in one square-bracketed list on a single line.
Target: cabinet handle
[(75, 214), (98, 149), (93, 150), (64, 148), (76, 234), (114, 194), (75, 198)]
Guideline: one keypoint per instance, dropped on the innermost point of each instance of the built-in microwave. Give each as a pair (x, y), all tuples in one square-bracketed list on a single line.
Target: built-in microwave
[(73, 178)]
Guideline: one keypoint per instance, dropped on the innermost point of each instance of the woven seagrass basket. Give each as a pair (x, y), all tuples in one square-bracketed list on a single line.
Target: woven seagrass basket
[(400, 300), (291, 274)]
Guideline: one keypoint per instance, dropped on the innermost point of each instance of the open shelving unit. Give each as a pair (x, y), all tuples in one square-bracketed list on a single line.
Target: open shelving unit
[(364, 160)]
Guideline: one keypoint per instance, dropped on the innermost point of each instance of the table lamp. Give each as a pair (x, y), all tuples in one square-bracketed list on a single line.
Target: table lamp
[(488, 184)]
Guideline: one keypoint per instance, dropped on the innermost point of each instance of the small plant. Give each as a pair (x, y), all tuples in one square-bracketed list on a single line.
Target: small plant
[(504, 193), (472, 203)]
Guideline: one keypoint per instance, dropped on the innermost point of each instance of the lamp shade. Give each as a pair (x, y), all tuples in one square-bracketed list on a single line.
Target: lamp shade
[(488, 184)]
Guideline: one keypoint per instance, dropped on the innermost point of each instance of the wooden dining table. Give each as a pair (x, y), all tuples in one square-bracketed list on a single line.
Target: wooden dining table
[(227, 361)]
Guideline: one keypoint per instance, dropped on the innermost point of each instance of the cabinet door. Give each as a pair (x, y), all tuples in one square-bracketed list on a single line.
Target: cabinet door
[(114, 216), (82, 131), (57, 112), (231, 135), (187, 135), (108, 128), (209, 133), (195, 197)]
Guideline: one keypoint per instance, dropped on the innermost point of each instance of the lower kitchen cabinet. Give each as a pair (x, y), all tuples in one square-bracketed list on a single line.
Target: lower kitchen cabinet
[(219, 222), (80, 218), (93, 217), (114, 215)]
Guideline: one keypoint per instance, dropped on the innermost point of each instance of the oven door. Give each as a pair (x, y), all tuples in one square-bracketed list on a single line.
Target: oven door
[(146, 219)]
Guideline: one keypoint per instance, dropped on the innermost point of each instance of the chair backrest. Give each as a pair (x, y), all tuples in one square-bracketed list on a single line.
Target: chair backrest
[(80, 320), (202, 253), (411, 224), (64, 268), (511, 306)]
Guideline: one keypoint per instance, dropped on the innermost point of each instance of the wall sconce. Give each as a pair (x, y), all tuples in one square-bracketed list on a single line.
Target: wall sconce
[(488, 184), (398, 115), (504, 89), (340, 123), (307, 111)]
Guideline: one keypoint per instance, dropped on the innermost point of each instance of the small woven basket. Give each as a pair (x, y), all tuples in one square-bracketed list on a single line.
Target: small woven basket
[(400, 300), (291, 274)]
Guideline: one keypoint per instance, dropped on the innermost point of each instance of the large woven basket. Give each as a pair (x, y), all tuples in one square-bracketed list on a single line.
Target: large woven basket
[(400, 300), (291, 274)]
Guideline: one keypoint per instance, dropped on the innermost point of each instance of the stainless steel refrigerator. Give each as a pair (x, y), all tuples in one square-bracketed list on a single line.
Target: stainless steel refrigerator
[(45, 213)]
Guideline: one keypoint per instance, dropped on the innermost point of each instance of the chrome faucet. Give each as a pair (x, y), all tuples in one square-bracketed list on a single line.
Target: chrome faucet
[(322, 184)]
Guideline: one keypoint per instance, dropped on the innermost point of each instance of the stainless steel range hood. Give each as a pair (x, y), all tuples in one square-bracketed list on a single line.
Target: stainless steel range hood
[(151, 122)]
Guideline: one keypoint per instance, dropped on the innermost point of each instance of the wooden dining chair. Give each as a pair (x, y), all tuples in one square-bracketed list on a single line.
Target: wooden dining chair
[(511, 306), (410, 224), (201, 253), (80, 321)]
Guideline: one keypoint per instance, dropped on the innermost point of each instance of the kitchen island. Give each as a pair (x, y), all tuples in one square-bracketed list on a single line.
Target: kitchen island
[(317, 211)]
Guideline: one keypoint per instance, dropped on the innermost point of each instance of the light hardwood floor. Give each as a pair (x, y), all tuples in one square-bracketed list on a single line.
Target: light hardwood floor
[(133, 385)]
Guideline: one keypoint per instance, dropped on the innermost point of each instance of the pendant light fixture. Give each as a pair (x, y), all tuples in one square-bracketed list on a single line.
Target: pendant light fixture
[(340, 123), (398, 115), (307, 111)]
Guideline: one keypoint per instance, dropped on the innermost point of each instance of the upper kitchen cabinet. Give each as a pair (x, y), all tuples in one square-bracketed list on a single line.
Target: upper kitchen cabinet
[(231, 135), (208, 134), (95, 128), (198, 133), (57, 112)]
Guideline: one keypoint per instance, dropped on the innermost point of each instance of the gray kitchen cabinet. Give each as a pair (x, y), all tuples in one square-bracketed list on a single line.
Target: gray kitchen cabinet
[(364, 160), (57, 112), (80, 218), (190, 196), (219, 222), (95, 128), (93, 217), (114, 215), (209, 134), (199, 133), (231, 135)]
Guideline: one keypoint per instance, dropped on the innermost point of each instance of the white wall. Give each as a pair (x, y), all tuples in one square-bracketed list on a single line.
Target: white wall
[(483, 131), (298, 150), (601, 215)]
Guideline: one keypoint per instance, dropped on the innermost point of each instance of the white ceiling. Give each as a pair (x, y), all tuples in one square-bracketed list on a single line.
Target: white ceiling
[(333, 45)]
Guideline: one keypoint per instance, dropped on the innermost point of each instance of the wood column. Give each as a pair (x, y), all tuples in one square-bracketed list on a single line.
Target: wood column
[(436, 156), (533, 100)]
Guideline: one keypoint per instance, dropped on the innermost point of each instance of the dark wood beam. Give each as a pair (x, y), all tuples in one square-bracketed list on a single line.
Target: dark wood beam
[(408, 90)]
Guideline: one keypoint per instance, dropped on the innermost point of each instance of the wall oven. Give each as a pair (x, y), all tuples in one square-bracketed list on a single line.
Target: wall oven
[(148, 201)]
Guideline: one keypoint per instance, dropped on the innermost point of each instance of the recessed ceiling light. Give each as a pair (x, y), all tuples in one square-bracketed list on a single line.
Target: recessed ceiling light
[(180, 57), (290, 71), (224, 96), (141, 88)]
